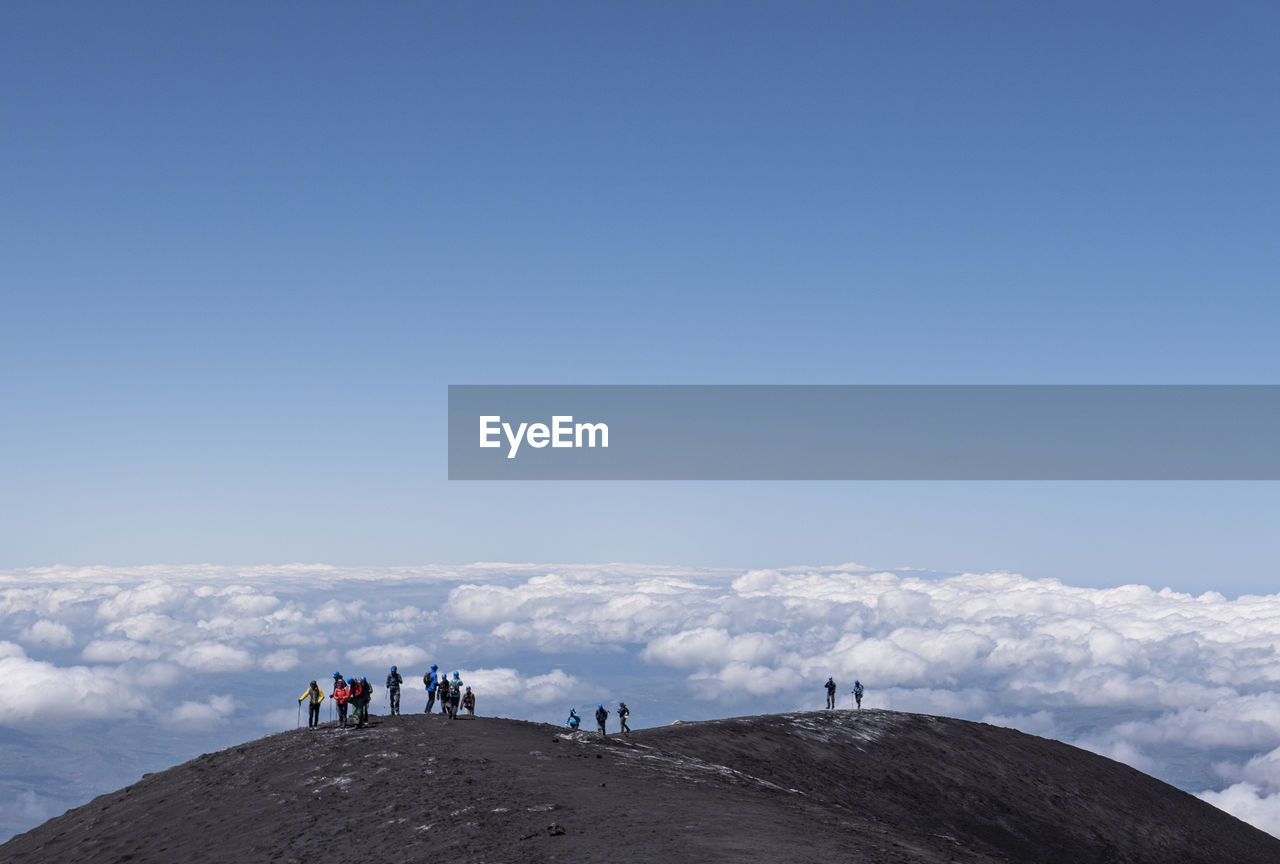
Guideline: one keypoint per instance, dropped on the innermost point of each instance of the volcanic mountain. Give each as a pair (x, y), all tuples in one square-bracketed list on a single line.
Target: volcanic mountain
[(848, 786)]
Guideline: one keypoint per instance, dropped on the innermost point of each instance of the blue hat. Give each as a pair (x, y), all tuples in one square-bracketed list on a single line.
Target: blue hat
[(364, 679), (601, 705), (393, 668), (337, 674), (433, 666)]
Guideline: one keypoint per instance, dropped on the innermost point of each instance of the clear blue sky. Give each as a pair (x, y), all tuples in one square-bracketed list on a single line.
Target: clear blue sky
[(248, 246)]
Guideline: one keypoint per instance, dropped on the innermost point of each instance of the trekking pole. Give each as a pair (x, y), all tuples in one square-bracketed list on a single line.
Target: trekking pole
[(299, 726)]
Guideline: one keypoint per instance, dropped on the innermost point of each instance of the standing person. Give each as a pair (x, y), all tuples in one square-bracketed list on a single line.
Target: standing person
[(469, 702), (443, 692), (623, 713), (602, 714), (831, 692), (432, 682), (366, 695), (341, 695), (393, 690), (455, 694), (315, 696), (857, 692), (574, 720), (354, 700)]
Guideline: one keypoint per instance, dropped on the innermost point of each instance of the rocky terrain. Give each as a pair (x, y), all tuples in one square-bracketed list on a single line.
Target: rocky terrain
[(869, 786)]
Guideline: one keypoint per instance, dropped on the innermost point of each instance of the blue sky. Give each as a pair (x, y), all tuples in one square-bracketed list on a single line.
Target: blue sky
[(247, 249)]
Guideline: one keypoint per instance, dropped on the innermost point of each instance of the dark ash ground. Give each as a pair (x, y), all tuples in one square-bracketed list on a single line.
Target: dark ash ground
[(870, 786)]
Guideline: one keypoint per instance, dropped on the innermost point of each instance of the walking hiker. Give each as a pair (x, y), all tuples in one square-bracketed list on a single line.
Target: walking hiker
[(469, 702), (354, 700), (341, 696), (623, 713), (857, 692), (443, 692), (455, 694), (315, 696), (366, 696), (574, 720), (831, 692), (393, 690), (602, 714), (432, 683)]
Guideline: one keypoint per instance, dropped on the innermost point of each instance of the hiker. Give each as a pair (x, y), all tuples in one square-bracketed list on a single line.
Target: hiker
[(393, 690), (431, 680), (831, 692), (315, 696), (469, 702), (341, 696), (574, 719), (366, 695), (455, 694), (602, 714), (338, 679), (443, 692), (623, 713), (353, 686), (857, 692)]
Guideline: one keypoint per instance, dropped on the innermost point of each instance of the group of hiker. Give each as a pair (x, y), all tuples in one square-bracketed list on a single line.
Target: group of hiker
[(448, 692), (352, 696), (857, 692), (602, 718)]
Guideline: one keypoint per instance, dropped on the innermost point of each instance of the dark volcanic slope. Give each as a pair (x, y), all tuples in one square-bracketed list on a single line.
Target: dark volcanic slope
[(832, 786)]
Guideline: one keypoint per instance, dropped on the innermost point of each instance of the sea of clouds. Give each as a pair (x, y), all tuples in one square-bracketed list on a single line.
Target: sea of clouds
[(110, 672)]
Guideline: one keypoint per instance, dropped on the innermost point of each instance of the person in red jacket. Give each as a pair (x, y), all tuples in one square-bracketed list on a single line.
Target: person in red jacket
[(341, 695), (357, 700)]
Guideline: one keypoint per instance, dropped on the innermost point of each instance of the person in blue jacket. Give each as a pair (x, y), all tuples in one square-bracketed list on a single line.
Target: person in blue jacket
[(432, 680), (574, 720)]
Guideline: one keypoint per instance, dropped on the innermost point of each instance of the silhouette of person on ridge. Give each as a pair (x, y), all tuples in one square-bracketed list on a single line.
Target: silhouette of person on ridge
[(831, 692), (857, 692), (602, 715), (574, 719)]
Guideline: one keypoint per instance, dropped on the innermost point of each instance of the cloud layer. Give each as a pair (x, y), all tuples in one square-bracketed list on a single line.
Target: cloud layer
[(1181, 686)]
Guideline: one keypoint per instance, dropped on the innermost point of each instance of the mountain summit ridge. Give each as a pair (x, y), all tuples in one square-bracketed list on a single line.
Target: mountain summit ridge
[(858, 786)]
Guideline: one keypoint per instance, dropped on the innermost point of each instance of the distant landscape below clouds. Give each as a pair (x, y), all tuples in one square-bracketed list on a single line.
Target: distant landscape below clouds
[(112, 672)]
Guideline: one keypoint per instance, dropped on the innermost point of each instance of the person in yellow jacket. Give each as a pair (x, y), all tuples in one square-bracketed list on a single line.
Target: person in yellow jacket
[(314, 697)]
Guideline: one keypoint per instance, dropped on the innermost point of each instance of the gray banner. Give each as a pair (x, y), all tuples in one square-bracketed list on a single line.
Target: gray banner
[(1074, 432)]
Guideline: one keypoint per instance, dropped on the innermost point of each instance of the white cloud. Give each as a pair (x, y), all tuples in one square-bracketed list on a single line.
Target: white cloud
[(508, 683), (281, 661), (50, 633), (214, 657), (119, 651), (200, 716), (39, 692), (383, 657), (1155, 677)]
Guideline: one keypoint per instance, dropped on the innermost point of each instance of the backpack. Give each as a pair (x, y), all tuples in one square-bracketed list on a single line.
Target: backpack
[(602, 714)]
